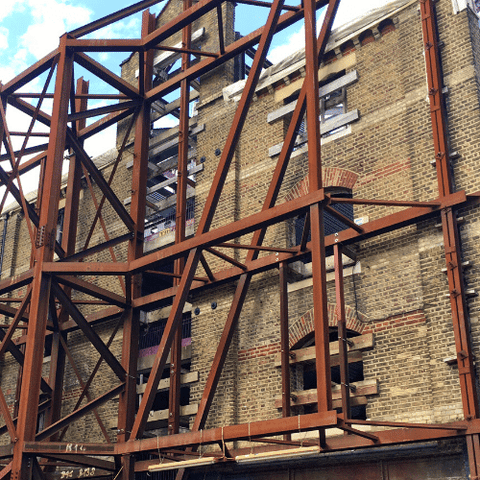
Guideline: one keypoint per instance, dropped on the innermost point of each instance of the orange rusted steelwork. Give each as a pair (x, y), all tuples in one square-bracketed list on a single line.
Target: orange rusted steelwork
[(51, 279)]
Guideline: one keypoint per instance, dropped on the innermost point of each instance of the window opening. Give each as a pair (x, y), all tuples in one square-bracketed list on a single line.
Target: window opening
[(355, 374), (60, 222), (149, 339), (151, 333), (333, 104), (47, 352), (331, 223)]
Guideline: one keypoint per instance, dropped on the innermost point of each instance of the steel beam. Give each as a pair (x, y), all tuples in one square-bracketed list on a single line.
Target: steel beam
[(342, 331), (231, 50), (131, 326), (80, 412), (42, 302), (324, 384), (30, 74), (92, 336), (451, 237), (207, 216), (30, 388), (284, 342), (180, 225), (245, 279), (93, 290)]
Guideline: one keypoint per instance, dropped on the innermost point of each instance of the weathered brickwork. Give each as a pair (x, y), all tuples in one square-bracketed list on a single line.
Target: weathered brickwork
[(395, 289)]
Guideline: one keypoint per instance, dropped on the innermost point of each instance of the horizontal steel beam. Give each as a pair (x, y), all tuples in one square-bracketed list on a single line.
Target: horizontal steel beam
[(403, 433), (93, 290), (28, 75), (112, 18), (84, 460), (57, 426)]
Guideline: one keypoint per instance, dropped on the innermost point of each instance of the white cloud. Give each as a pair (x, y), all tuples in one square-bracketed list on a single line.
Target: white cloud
[(348, 11), (128, 28), (101, 142), (6, 73), (3, 38), (293, 42), (35, 32), (51, 19), (10, 6), (166, 122)]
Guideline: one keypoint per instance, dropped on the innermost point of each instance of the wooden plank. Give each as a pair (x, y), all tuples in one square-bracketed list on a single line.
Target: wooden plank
[(173, 142), (164, 165), (185, 411), (341, 82), (339, 121), (172, 200), (353, 357), (145, 363), (307, 355), (160, 110), (166, 135), (166, 183), (185, 378), (165, 140), (309, 397), (325, 127), (354, 401), (170, 181)]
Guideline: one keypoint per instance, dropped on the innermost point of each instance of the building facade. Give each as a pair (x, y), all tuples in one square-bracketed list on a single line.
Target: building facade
[(406, 361)]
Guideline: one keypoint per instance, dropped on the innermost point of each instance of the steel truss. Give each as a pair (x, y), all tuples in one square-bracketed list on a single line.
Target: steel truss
[(48, 308)]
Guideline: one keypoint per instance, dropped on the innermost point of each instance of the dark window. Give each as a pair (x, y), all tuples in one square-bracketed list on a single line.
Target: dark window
[(331, 223), (333, 104), (151, 334), (150, 337), (60, 221), (355, 374)]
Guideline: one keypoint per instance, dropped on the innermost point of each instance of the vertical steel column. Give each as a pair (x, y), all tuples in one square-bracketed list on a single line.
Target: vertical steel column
[(70, 225), (324, 387), (449, 223), (451, 238), (258, 236), (74, 180), (207, 217), (181, 217), (45, 247), (342, 331), (131, 325), (285, 343), (3, 99)]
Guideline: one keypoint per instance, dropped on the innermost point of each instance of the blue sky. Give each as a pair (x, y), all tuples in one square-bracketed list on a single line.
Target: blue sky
[(30, 29)]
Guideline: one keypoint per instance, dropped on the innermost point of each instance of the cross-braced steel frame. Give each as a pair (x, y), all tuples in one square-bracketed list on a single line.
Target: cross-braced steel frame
[(57, 269)]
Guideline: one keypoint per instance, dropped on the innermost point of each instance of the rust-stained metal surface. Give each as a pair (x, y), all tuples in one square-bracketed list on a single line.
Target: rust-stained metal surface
[(49, 309)]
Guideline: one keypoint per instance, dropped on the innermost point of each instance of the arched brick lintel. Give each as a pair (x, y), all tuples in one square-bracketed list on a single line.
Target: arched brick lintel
[(303, 326), (332, 177)]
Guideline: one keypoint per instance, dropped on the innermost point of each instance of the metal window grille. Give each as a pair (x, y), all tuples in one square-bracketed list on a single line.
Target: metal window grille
[(331, 224), (152, 333)]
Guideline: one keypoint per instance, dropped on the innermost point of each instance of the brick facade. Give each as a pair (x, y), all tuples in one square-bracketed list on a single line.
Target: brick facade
[(395, 289)]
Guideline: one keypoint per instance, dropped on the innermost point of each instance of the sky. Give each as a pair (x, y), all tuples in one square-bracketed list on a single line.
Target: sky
[(30, 29)]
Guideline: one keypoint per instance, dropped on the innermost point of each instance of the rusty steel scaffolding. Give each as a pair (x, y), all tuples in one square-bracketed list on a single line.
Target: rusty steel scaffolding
[(57, 269)]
